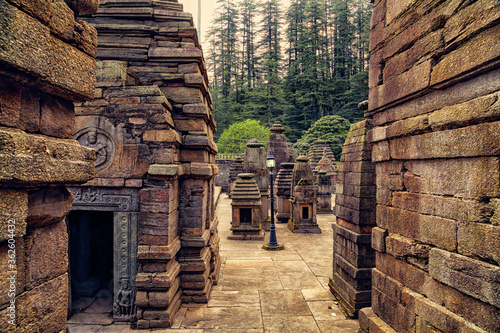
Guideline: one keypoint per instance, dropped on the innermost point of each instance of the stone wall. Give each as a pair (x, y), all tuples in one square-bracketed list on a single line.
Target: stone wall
[(434, 98), (47, 61), (222, 178), (353, 256), (153, 106)]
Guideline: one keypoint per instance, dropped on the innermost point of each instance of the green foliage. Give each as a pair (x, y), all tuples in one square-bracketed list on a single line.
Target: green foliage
[(333, 129), (235, 138), (322, 72)]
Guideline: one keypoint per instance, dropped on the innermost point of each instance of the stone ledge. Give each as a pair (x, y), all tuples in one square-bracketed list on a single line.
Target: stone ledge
[(39, 59), (31, 160), (165, 170), (470, 276), (158, 281), (157, 252)]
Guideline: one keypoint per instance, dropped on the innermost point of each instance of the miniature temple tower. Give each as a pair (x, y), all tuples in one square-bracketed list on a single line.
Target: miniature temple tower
[(255, 162), (284, 192), (278, 146), (326, 175), (246, 203), (303, 214)]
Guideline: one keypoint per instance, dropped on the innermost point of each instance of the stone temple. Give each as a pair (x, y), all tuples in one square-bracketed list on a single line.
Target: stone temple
[(107, 168)]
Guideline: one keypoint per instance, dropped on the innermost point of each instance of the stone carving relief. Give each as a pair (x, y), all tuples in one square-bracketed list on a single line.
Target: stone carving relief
[(101, 142), (94, 197), (125, 267)]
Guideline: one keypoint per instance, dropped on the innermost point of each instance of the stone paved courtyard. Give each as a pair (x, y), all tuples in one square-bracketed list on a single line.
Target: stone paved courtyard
[(261, 291)]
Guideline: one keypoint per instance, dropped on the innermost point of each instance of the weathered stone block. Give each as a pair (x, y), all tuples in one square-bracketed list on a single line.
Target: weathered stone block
[(85, 37), (393, 312), (48, 206), (480, 241), (422, 49), (44, 308), (482, 314), (19, 106), (111, 73), (46, 247), (169, 135), (440, 317), (406, 274), (444, 206), (474, 53), (83, 7), (31, 159), (462, 114), (57, 117), (62, 22), (12, 264), (398, 87), (461, 92), (478, 140), (464, 178), (378, 239), (472, 277), (168, 53), (428, 229), (468, 20), (184, 95), (13, 213), (37, 53)]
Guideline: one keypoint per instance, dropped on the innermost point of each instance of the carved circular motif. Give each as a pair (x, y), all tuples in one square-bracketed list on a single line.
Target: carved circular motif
[(101, 142)]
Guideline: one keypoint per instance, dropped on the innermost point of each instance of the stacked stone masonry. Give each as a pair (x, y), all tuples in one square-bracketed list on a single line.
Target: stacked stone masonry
[(434, 99), (37, 156), (326, 177), (317, 150), (283, 192), (234, 170), (254, 162), (278, 146), (355, 203), (152, 112)]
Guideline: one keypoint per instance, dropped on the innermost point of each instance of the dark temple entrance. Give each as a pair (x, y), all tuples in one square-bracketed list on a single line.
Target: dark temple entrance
[(91, 262)]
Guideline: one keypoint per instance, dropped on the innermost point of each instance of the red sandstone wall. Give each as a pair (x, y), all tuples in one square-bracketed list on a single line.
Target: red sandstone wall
[(434, 99), (47, 61)]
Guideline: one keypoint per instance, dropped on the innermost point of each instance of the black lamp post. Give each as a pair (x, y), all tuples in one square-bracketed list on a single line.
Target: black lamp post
[(273, 243)]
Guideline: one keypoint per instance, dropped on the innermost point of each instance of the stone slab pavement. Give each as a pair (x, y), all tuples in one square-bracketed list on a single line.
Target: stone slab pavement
[(263, 291)]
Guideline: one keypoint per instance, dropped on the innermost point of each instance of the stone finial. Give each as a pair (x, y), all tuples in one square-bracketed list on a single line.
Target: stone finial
[(254, 143), (277, 128)]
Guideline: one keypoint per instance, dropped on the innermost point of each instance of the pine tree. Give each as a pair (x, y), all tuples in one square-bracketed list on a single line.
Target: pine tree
[(224, 55), (271, 90)]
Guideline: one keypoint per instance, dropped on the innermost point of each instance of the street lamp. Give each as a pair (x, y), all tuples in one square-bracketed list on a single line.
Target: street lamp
[(273, 243)]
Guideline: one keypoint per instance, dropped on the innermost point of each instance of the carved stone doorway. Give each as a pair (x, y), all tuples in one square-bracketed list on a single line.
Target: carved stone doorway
[(102, 228), (91, 262)]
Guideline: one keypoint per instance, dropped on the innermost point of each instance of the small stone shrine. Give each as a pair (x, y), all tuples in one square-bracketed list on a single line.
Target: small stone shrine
[(234, 170), (151, 127), (326, 176), (284, 192), (255, 162), (317, 150), (277, 146), (303, 217), (246, 203), (355, 203)]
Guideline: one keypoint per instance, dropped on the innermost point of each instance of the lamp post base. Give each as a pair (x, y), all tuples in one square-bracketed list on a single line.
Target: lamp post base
[(278, 247)]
